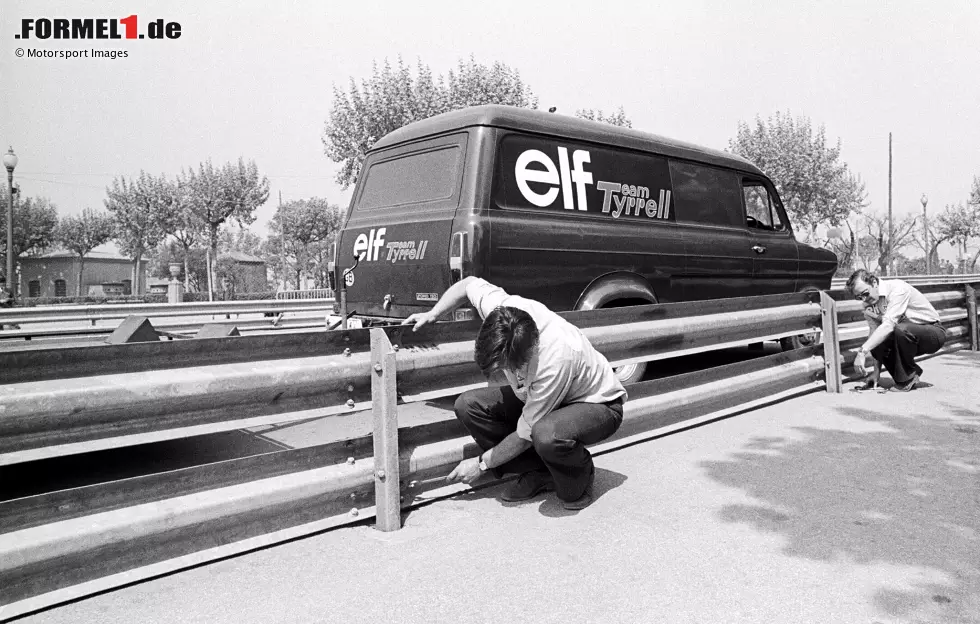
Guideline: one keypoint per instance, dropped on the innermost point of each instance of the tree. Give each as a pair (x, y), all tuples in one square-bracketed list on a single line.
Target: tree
[(618, 118), (956, 224), (816, 187), (35, 219), (887, 247), (84, 233), (218, 195), (391, 98), (310, 226), (141, 208), (186, 228), (974, 203)]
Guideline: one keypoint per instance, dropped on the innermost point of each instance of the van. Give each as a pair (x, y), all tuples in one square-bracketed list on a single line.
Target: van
[(572, 213)]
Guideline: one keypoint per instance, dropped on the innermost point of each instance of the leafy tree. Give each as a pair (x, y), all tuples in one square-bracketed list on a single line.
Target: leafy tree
[(391, 98), (473, 84), (141, 208), (184, 225), (310, 226), (956, 225), (84, 233), (618, 118), (816, 187), (218, 195), (35, 219)]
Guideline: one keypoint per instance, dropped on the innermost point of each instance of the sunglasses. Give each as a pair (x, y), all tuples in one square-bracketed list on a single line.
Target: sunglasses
[(863, 295)]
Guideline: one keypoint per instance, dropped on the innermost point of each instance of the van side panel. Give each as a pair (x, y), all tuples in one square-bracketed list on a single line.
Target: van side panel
[(566, 213)]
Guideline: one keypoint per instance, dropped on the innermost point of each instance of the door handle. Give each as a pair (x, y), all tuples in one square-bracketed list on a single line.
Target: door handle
[(759, 249)]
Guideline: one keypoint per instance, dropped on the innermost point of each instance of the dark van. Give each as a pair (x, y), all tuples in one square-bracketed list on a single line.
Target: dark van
[(573, 213)]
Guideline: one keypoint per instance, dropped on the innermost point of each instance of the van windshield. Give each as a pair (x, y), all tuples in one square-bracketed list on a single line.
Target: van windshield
[(413, 178)]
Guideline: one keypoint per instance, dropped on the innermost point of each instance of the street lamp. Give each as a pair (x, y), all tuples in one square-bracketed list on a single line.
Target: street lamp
[(925, 226), (10, 161)]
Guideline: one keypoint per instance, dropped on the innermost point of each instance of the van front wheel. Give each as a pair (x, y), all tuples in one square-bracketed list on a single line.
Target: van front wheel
[(630, 373)]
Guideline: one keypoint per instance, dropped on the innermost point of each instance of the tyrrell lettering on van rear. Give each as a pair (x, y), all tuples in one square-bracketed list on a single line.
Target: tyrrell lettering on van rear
[(367, 247), (628, 198)]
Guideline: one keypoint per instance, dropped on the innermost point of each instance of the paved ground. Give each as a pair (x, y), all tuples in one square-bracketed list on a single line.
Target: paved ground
[(825, 508)]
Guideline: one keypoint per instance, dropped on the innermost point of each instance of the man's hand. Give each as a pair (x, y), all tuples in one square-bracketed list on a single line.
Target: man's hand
[(467, 471), (420, 319), (859, 363)]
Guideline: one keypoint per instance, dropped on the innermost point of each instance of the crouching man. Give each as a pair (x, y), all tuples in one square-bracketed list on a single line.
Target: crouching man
[(561, 395), (903, 325)]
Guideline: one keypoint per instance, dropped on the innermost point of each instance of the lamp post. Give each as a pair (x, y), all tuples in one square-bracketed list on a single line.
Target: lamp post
[(10, 161), (925, 226)]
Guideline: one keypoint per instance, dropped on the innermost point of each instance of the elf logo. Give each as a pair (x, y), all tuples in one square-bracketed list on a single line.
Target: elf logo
[(562, 175), (367, 246)]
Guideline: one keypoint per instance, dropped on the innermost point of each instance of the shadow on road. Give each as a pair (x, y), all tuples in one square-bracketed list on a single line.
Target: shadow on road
[(905, 495)]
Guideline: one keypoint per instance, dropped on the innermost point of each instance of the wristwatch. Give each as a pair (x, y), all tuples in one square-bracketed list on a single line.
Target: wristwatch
[(483, 464)]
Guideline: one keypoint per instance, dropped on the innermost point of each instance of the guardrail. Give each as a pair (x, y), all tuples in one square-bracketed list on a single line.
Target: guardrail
[(22, 318), (917, 280), (55, 402)]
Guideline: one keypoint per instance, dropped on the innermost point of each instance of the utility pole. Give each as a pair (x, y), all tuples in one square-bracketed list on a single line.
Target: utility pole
[(282, 231), (891, 231)]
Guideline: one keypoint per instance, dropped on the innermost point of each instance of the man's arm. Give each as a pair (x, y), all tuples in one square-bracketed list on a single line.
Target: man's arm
[(510, 447), (454, 296)]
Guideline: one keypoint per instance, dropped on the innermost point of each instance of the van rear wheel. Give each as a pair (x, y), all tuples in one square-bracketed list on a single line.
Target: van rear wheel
[(630, 373)]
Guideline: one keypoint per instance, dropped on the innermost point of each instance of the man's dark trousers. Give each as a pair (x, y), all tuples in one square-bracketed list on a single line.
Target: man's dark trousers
[(559, 438), (897, 353)]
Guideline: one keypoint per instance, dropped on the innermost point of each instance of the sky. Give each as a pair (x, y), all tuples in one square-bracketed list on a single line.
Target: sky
[(256, 80)]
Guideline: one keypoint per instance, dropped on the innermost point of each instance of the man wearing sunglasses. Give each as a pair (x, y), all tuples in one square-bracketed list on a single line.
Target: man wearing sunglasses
[(903, 325)]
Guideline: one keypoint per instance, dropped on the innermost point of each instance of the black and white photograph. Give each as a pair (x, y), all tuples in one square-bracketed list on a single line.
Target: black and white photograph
[(439, 312)]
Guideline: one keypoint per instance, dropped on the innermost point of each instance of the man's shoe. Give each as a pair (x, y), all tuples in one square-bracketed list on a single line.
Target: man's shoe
[(529, 485), (907, 386), (585, 499)]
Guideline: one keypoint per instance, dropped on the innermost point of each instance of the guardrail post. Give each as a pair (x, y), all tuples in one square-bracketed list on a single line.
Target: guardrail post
[(971, 312), (831, 342), (387, 494)]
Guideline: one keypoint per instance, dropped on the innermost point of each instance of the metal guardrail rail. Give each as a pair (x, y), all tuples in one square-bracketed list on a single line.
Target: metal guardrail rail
[(63, 545), (917, 280)]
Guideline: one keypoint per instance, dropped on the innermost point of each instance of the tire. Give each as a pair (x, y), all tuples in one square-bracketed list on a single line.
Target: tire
[(630, 373), (801, 341)]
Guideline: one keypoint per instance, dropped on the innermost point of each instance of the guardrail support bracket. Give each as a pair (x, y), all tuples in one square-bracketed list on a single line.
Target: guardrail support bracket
[(831, 342), (971, 311), (387, 492)]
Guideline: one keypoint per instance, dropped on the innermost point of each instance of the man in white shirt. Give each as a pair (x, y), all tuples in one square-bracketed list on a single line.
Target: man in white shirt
[(561, 395), (903, 325)]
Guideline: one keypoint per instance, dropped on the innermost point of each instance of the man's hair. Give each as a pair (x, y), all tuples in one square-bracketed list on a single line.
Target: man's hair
[(861, 274), (506, 340)]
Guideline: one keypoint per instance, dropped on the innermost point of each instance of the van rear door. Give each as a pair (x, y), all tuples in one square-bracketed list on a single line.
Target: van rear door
[(400, 226)]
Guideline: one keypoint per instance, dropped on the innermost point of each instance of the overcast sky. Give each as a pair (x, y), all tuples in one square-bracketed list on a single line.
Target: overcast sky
[(255, 79)]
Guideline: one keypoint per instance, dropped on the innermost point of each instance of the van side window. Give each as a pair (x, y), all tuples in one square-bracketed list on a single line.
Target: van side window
[(706, 195), (759, 210)]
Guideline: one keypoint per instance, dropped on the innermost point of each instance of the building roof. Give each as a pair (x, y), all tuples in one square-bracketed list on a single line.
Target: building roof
[(572, 128), (92, 255), (239, 256)]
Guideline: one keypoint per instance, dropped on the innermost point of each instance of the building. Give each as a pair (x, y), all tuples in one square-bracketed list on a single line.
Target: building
[(55, 274), (249, 273)]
